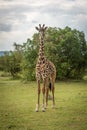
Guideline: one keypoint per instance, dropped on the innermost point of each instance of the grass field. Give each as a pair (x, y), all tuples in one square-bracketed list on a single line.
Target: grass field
[(18, 102)]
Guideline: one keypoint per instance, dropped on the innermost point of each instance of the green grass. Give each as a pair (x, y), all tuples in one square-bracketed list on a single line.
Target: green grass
[(18, 102)]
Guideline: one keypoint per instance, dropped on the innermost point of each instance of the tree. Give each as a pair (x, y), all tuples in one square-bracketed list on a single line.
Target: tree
[(70, 51), (29, 60), (11, 61), (66, 48), (15, 60)]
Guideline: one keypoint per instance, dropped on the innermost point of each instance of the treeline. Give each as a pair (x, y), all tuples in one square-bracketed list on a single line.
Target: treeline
[(66, 48)]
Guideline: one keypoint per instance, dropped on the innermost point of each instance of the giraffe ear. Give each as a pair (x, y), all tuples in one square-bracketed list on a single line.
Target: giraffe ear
[(45, 28), (37, 28)]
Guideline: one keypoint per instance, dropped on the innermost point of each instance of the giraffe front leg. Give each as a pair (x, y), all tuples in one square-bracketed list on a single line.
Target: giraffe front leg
[(38, 101), (43, 91)]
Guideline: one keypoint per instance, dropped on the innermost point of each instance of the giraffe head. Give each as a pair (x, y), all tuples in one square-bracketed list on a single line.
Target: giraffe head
[(41, 30)]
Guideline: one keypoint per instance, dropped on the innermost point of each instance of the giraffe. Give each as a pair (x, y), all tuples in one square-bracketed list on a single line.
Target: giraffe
[(45, 70)]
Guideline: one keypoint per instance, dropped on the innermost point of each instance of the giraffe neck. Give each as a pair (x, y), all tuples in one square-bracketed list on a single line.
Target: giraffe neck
[(41, 49)]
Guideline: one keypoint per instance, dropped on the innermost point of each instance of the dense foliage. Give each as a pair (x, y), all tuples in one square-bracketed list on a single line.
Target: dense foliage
[(66, 48), (29, 60), (11, 61)]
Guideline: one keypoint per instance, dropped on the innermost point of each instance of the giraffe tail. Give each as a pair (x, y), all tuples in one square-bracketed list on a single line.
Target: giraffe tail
[(50, 86)]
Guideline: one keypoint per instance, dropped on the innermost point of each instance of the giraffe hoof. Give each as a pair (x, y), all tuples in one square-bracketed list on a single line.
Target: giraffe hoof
[(36, 110), (43, 109)]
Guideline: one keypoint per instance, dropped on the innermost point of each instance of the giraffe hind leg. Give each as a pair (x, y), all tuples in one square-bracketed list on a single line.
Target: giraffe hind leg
[(47, 91), (53, 89)]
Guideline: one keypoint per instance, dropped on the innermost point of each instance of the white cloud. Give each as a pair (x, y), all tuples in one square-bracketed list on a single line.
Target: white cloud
[(19, 18)]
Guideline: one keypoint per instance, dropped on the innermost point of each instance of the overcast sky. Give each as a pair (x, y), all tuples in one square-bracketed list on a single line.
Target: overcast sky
[(18, 18)]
